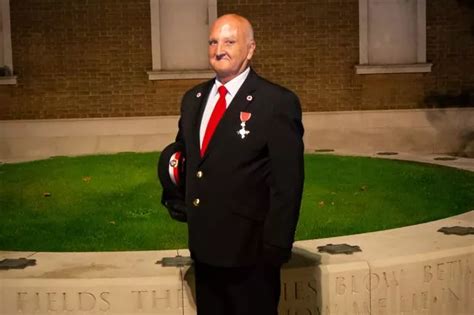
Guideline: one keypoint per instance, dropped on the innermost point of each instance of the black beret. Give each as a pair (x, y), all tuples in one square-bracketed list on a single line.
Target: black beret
[(171, 173)]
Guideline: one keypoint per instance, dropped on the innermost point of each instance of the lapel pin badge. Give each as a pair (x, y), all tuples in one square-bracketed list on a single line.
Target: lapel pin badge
[(244, 117), (198, 95), (249, 98)]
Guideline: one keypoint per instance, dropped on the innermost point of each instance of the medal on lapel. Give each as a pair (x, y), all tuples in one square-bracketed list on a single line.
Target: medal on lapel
[(244, 117)]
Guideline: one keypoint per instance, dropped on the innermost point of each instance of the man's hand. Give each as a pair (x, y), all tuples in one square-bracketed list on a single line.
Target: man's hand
[(176, 209)]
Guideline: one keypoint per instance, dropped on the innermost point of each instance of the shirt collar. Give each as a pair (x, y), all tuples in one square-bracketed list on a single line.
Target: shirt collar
[(234, 85)]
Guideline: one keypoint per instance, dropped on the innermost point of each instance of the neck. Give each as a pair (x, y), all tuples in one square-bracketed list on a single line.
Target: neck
[(228, 78)]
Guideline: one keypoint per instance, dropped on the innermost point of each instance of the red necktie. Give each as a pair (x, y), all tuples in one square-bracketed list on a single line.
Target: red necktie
[(216, 116)]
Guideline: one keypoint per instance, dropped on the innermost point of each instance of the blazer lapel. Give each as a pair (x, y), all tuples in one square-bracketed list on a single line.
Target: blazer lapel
[(202, 95), (239, 103)]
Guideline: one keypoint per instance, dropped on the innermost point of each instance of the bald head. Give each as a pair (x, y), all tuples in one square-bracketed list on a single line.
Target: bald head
[(237, 20), (231, 46)]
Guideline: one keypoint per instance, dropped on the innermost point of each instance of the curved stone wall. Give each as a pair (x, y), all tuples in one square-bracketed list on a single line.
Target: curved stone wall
[(410, 270), (419, 131)]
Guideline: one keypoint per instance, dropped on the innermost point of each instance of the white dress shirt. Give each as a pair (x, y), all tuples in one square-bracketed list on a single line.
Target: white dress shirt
[(232, 87)]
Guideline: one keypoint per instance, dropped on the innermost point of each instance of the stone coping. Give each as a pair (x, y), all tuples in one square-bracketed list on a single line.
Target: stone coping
[(420, 131), (409, 270)]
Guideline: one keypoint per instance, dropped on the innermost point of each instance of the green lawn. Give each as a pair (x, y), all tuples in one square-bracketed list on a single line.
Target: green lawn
[(112, 202)]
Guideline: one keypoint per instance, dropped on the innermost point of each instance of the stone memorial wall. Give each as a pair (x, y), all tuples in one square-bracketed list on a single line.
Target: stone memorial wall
[(437, 131), (411, 270)]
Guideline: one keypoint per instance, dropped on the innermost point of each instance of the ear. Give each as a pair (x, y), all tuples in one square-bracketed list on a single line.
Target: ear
[(252, 47)]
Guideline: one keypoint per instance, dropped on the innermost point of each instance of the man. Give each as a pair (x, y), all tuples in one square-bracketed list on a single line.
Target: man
[(242, 139)]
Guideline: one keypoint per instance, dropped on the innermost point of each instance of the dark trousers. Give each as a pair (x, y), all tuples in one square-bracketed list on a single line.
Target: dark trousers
[(251, 290)]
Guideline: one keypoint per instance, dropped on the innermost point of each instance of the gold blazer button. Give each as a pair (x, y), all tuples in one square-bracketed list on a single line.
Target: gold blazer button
[(199, 174), (196, 202)]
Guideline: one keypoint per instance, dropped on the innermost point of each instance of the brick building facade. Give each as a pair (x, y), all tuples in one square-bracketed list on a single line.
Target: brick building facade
[(77, 59)]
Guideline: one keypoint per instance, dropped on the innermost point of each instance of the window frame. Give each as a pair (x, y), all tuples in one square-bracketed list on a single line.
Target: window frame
[(7, 44), (418, 66), (157, 73)]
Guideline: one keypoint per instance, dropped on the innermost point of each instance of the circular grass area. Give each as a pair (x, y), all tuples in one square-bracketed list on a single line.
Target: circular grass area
[(112, 202)]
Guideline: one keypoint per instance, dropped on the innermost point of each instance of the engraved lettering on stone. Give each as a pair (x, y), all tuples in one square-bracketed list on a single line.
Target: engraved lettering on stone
[(447, 296), (446, 284), (340, 286), (51, 299), (354, 285), (59, 302), (299, 311), (299, 290), (299, 298), (442, 297), (453, 285), (312, 287), (454, 295), (180, 298), (391, 280), (65, 303), (106, 303), (414, 302), (451, 268), (440, 271), (424, 299), (87, 301), (427, 274), (37, 307), (372, 281), (283, 292), (382, 303), (328, 310), (360, 309), (165, 300), (139, 305), (404, 307), (20, 302), (411, 302)]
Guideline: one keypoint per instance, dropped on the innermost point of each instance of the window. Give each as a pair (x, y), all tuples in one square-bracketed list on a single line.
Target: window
[(392, 36), (179, 35), (6, 63)]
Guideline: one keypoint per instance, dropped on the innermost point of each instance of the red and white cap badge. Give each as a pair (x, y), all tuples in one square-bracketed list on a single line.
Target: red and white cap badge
[(173, 168)]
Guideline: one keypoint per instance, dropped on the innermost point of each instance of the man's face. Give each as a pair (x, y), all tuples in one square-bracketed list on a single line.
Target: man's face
[(230, 48)]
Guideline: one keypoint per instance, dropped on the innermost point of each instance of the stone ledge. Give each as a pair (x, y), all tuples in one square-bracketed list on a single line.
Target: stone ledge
[(180, 75), (402, 68), (10, 80), (408, 270)]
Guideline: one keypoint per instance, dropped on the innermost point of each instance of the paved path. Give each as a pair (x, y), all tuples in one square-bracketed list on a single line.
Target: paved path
[(459, 162)]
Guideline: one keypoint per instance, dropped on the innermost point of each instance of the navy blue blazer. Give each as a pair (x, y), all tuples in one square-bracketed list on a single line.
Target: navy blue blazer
[(243, 196)]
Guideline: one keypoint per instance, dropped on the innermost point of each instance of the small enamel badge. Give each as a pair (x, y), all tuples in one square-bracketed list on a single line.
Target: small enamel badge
[(244, 117), (173, 168), (198, 95), (249, 98)]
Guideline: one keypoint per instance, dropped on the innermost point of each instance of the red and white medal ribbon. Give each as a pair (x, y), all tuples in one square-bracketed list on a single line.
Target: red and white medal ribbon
[(173, 168), (244, 117)]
